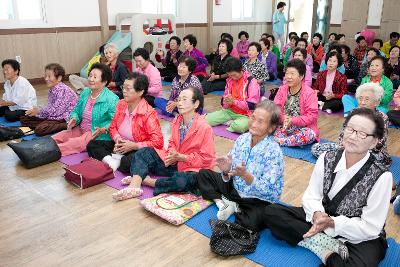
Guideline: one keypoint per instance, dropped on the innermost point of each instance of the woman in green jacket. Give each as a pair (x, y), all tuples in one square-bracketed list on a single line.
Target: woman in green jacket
[(92, 115), (375, 75)]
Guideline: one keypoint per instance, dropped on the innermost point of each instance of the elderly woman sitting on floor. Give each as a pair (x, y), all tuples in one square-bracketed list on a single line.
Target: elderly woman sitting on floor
[(92, 115), (135, 125), (252, 173), (299, 108), (190, 148), (345, 206)]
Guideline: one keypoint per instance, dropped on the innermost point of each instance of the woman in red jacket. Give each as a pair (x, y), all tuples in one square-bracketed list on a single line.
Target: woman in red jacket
[(331, 85), (135, 125), (190, 148)]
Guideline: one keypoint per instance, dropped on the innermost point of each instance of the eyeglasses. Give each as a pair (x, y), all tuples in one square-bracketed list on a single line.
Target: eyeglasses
[(360, 134), (127, 88)]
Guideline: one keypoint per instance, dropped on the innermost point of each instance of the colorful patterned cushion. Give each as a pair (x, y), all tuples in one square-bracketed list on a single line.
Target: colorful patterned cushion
[(175, 208)]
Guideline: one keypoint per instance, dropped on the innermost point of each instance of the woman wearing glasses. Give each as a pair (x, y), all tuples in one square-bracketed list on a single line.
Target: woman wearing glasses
[(369, 96), (345, 205), (135, 125), (190, 148)]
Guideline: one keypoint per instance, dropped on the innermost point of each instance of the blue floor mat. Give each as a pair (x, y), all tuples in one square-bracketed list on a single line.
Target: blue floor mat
[(303, 153), (221, 93), (29, 137), (4, 122), (273, 252), (395, 169), (394, 126)]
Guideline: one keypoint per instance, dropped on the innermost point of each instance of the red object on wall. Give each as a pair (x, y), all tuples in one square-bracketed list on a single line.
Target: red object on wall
[(218, 2)]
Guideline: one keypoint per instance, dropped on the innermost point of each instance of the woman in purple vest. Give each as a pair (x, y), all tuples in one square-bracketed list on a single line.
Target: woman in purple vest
[(345, 205)]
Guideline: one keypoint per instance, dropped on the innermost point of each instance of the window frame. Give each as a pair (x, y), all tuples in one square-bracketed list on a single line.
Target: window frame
[(16, 22), (242, 17)]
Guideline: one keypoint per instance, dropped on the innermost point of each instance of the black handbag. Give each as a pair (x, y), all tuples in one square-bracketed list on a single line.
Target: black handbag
[(36, 152), (10, 133), (230, 239)]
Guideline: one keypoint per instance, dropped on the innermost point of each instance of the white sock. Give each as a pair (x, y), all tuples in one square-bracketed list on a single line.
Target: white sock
[(117, 156), (227, 209), (113, 163)]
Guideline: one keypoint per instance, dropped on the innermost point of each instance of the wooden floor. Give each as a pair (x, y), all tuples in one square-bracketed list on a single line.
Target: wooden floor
[(44, 221)]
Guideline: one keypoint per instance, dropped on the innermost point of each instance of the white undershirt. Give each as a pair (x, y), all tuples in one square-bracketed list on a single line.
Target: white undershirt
[(21, 93), (373, 217)]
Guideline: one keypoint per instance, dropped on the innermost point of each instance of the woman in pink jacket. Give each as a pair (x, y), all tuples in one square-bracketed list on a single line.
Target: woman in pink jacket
[(299, 108), (190, 148)]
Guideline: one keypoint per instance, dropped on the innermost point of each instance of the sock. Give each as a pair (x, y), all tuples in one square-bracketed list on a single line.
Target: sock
[(113, 163), (322, 245), (226, 209)]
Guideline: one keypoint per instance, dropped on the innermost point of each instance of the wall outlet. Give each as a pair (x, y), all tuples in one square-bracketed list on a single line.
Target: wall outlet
[(18, 58)]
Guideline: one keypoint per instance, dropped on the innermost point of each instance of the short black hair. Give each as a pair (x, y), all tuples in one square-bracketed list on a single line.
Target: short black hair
[(378, 41), (394, 35), (291, 33), (280, 4), (335, 46), (264, 34), (243, 33), (13, 63), (197, 96), (233, 64), (257, 45), (346, 49), (141, 52), (332, 33), (141, 82), (303, 51), (298, 65), (101, 49), (301, 40), (228, 43), (374, 116), (338, 36), (106, 74), (359, 39), (381, 59), (228, 36), (377, 51), (266, 42), (272, 37), (222, 35), (317, 34), (395, 46), (295, 38), (176, 38), (189, 62), (191, 38), (302, 34), (338, 55), (57, 69)]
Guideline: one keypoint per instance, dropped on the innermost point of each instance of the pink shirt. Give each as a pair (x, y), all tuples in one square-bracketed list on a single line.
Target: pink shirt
[(125, 129), (152, 73), (86, 123), (234, 53), (328, 85), (242, 47)]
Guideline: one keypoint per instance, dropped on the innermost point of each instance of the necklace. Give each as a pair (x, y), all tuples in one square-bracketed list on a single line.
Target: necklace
[(94, 98)]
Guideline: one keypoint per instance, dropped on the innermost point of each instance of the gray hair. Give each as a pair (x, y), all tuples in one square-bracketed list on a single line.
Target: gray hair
[(375, 88), (273, 110), (113, 47)]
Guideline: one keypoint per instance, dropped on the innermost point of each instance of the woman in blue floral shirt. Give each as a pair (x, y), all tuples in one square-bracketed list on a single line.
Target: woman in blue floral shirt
[(252, 173)]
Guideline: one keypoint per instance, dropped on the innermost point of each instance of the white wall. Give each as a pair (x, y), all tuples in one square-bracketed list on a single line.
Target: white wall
[(336, 12), (192, 11), (121, 6), (262, 11)]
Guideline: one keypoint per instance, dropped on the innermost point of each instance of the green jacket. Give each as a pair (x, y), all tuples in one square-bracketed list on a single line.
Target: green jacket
[(277, 53), (102, 113), (387, 86)]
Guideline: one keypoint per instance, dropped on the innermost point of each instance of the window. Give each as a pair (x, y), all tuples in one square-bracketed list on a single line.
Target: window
[(242, 9), (22, 11), (159, 7)]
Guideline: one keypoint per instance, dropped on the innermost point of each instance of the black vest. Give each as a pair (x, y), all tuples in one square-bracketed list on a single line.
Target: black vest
[(351, 199)]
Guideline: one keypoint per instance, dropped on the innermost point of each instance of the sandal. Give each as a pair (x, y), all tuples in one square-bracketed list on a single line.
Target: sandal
[(126, 180), (127, 193)]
